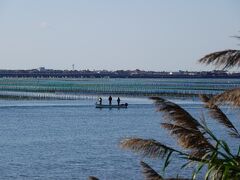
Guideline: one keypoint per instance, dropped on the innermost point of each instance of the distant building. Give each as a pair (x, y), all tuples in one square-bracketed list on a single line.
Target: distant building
[(42, 69)]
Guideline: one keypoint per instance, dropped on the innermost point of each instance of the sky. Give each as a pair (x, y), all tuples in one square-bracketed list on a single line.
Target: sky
[(159, 35)]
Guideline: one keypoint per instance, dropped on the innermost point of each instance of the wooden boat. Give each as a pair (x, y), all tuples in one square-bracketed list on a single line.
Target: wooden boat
[(111, 106)]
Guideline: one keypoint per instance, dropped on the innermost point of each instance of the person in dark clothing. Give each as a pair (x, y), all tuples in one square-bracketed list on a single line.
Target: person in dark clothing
[(118, 101), (100, 101), (110, 100)]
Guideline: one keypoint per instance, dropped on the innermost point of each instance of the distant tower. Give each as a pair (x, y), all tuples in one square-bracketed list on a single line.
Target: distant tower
[(73, 67)]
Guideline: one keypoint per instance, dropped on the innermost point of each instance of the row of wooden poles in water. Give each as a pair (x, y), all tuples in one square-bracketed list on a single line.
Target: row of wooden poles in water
[(111, 87), (72, 91), (94, 94), (36, 95)]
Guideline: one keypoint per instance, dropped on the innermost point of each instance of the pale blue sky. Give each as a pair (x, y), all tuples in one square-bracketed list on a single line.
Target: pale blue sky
[(109, 34)]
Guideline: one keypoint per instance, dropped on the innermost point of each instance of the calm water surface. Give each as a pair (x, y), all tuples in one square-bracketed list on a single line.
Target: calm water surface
[(72, 139)]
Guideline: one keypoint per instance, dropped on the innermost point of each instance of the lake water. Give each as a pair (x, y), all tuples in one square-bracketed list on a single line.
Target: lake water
[(56, 139)]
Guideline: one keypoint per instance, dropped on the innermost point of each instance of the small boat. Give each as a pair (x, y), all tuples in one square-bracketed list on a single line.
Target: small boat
[(111, 106)]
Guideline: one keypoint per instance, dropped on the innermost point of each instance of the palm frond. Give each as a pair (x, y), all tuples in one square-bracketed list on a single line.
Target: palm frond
[(217, 114), (227, 58), (146, 147), (175, 113), (188, 138), (227, 97), (149, 173)]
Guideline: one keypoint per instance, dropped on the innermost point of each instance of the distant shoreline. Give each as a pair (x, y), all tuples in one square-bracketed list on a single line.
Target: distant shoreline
[(50, 73)]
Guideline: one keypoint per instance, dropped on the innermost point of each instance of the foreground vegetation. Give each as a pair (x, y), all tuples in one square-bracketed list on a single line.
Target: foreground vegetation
[(197, 143), (201, 146)]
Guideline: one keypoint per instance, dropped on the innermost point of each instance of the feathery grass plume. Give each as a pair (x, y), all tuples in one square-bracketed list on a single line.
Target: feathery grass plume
[(146, 147), (184, 127), (149, 173), (231, 96), (188, 138), (237, 37), (175, 113), (92, 178), (227, 58), (217, 114)]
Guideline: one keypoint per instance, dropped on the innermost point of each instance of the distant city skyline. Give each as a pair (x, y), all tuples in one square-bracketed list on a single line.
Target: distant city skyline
[(51, 73), (113, 35)]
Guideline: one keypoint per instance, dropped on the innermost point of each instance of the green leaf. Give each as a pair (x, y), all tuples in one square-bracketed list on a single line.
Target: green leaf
[(209, 172), (200, 166), (226, 172), (186, 164), (226, 147), (167, 161), (238, 153)]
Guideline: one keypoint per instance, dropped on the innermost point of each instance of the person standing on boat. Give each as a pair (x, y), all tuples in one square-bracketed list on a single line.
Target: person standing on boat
[(118, 101), (110, 100), (100, 101)]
